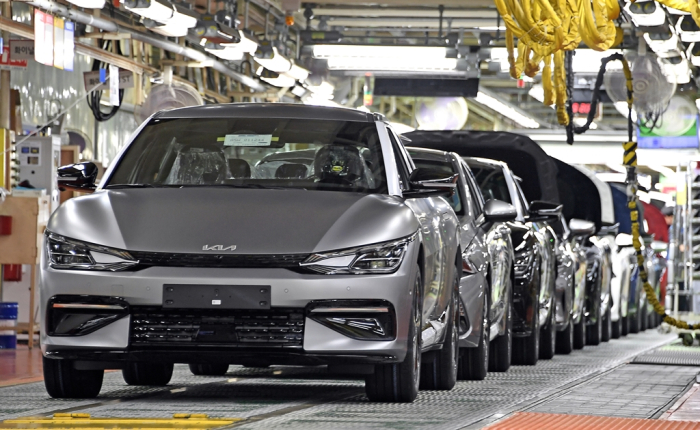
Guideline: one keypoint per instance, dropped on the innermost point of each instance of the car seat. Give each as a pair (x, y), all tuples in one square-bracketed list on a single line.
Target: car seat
[(291, 171), (340, 164), (198, 165), (240, 169)]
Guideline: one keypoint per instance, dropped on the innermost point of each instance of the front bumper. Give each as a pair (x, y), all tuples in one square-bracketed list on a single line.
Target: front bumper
[(290, 292)]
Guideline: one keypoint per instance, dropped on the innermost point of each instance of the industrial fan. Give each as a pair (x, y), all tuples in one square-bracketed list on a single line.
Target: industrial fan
[(653, 89), (167, 97)]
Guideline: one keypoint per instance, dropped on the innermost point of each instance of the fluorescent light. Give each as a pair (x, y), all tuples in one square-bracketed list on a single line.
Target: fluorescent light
[(88, 4), (506, 110), (277, 63), (316, 100), (151, 9), (408, 64), (588, 60), (421, 53), (298, 73), (583, 138), (646, 13)]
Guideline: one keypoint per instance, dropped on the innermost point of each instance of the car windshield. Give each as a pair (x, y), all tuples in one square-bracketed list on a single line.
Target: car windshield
[(254, 153), (492, 182)]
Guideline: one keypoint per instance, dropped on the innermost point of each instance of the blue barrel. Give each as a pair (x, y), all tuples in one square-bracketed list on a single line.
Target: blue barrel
[(8, 319)]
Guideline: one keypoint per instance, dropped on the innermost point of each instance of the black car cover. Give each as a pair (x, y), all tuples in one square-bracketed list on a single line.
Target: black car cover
[(578, 194), (525, 158)]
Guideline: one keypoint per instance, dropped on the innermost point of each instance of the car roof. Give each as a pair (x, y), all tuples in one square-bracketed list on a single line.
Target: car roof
[(485, 161), (268, 110), (428, 154)]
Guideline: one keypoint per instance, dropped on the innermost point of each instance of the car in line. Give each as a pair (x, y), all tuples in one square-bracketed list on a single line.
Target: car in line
[(174, 259), (487, 276), (586, 197), (534, 241)]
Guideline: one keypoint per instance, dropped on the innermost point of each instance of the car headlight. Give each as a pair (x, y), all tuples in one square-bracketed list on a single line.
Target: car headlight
[(70, 254), (385, 257)]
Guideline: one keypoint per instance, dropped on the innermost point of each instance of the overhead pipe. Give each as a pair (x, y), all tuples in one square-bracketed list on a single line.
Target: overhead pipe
[(158, 42)]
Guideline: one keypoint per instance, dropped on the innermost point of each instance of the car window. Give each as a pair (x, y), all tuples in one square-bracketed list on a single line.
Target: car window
[(477, 201), (446, 168), (255, 152), (492, 183), (401, 161)]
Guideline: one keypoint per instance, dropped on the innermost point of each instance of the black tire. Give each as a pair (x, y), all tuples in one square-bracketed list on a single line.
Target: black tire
[(526, 350), (399, 382), (63, 381), (565, 339), (634, 322), (145, 373), (580, 333), (439, 371), (501, 349), (607, 326), (616, 329), (624, 326), (594, 333), (474, 362), (217, 369), (548, 335), (643, 318)]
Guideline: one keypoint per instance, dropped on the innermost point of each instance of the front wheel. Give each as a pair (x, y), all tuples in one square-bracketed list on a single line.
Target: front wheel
[(145, 373), (616, 328), (526, 350), (63, 381), (594, 333), (580, 333), (209, 369), (399, 382), (565, 339), (474, 362), (501, 349), (607, 326), (548, 335), (439, 371), (624, 326)]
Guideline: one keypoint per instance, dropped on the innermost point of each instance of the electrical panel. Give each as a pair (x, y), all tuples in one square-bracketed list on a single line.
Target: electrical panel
[(37, 161)]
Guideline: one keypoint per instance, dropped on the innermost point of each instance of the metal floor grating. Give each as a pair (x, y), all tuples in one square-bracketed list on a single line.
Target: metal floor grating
[(674, 354), (309, 398)]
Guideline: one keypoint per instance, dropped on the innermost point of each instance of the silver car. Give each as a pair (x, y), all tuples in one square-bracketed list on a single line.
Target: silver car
[(177, 259)]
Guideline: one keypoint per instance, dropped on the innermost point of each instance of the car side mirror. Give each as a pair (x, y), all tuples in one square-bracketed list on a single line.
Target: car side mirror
[(581, 228), (499, 211), (427, 182), (544, 211), (79, 177)]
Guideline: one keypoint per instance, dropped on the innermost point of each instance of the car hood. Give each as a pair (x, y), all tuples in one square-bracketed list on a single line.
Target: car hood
[(184, 220)]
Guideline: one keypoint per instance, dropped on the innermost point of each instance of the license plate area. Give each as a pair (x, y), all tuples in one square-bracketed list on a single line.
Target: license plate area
[(194, 296)]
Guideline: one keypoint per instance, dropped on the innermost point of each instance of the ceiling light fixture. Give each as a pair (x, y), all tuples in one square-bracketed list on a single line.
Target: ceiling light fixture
[(177, 25), (373, 51), (224, 52), (275, 62), (645, 13), (505, 110), (151, 9), (688, 29)]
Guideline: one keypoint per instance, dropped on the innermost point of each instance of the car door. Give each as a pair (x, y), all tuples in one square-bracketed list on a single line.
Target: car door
[(437, 220)]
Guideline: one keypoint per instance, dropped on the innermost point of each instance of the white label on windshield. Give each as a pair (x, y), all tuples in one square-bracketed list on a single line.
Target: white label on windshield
[(247, 140)]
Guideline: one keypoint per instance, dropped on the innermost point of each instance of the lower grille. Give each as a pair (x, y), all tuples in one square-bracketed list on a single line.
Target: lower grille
[(250, 261), (158, 326)]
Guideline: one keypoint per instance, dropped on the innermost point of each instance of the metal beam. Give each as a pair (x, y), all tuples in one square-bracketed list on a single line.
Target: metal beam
[(159, 42)]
